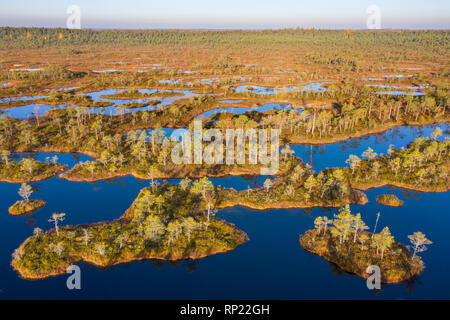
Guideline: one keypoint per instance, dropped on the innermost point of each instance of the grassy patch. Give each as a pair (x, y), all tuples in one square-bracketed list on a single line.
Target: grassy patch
[(25, 206), (389, 200)]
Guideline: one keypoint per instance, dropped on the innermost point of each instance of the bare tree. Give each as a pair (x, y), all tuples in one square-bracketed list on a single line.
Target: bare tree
[(56, 217), (87, 236)]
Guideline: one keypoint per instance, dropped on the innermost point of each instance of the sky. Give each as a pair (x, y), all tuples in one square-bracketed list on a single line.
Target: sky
[(227, 14)]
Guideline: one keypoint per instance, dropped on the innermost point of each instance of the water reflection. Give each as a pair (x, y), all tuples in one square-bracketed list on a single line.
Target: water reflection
[(314, 87), (335, 154)]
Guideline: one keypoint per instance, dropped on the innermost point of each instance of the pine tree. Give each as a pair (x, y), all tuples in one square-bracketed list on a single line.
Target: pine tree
[(25, 191), (358, 225), (342, 223)]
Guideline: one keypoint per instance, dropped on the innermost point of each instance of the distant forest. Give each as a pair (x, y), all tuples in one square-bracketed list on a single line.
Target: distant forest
[(41, 37)]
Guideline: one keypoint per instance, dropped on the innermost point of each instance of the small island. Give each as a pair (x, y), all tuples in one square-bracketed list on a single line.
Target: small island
[(25, 206), (167, 222), (389, 200), (122, 107), (422, 166), (347, 244), (300, 187), (27, 170), (134, 93), (149, 156)]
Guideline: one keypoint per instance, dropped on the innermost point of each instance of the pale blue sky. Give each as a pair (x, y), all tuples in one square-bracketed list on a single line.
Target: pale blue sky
[(227, 14)]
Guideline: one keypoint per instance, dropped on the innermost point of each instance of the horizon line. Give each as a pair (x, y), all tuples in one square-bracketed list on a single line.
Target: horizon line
[(228, 29)]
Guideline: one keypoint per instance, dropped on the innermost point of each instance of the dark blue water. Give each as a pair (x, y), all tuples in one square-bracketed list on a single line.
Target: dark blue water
[(335, 154), (271, 265)]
